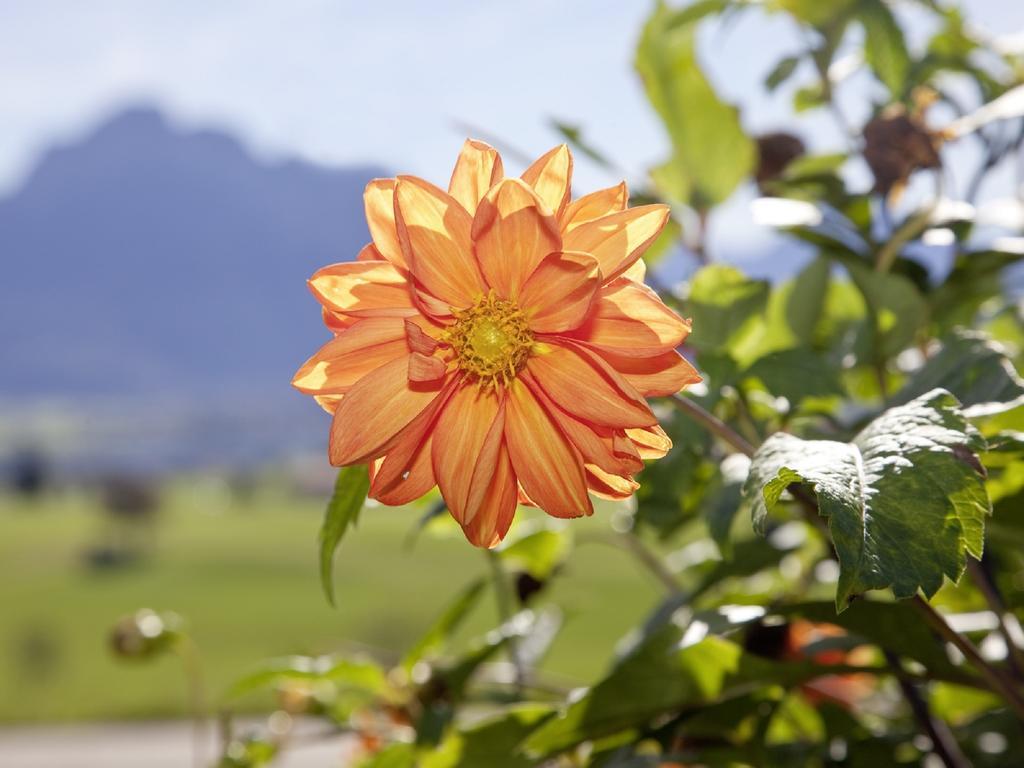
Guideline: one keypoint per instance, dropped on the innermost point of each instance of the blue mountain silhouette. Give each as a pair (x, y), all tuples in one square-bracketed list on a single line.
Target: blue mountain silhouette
[(145, 262)]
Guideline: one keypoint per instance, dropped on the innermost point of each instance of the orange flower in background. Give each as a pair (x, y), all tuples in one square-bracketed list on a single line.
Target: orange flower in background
[(497, 341)]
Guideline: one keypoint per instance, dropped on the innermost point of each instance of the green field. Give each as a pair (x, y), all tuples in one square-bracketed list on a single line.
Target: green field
[(244, 576)]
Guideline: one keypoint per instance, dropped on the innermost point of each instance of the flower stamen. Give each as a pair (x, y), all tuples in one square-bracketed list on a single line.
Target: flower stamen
[(491, 340)]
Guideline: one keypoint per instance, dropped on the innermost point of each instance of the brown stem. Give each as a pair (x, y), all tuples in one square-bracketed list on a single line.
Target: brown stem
[(943, 743), (997, 682), (982, 578), (713, 424), (503, 598)]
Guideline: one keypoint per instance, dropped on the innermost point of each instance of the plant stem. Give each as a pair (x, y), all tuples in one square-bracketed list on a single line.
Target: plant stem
[(503, 598), (630, 541), (982, 578), (713, 424), (944, 744), (996, 681)]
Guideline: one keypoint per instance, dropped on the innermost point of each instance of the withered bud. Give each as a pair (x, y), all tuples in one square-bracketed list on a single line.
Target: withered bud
[(897, 144), (775, 151), (144, 634)]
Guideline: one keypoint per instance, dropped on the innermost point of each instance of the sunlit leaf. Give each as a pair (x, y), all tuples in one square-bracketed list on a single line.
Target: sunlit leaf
[(975, 369), (664, 674), (726, 305), (796, 374), (886, 50), (781, 72), (492, 742), (711, 154), (350, 489), (905, 501), (538, 553)]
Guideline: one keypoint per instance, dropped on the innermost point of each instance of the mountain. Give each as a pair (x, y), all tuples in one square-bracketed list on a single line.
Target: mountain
[(147, 265)]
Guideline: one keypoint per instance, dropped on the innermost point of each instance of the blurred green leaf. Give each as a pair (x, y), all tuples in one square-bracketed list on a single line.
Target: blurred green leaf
[(897, 308), (781, 72), (817, 13), (975, 369), (492, 742), (446, 624), (392, 756), (722, 510), (974, 279), (711, 154), (538, 553), (356, 673), (796, 374), (726, 306), (573, 134), (350, 489), (664, 674), (905, 501), (885, 48)]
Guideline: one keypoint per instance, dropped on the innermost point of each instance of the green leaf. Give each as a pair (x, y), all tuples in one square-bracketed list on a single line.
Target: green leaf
[(975, 369), (781, 72), (360, 674), (905, 501), (538, 553), (726, 307), (350, 489), (897, 308), (817, 13), (399, 755), (664, 674), (446, 624), (492, 742), (885, 49), (711, 154), (796, 374), (573, 134)]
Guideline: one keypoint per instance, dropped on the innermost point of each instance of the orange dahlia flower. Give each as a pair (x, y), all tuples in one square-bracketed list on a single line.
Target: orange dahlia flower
[(496, 340)]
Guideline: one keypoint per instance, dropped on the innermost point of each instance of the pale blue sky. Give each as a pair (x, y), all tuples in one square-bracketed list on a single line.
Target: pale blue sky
[(337, 81)]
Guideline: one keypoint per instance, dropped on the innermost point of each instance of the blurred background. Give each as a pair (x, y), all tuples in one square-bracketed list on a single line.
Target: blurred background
[(170, 175)]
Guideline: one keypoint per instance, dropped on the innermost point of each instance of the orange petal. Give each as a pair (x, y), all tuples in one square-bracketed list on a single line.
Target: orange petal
[(637, 272), (582, 385), (595, 205), (650, 442), (512, 234), (374, 410), (425, 368), (558, 295), (498, 506), (551, 177), (629, 319), (416, 481), (477, 170), (405, 453), (597, 445), (379, 202), (606, 485), (363, 289), (656, 376), (466, 443), (369, 252), (434, 230), (329, 403), (352, 354), (618, 239), (549, 468), (419, 340)]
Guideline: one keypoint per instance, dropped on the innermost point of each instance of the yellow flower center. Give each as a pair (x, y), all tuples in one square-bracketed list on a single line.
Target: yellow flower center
[(491, 340)]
